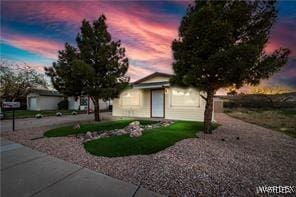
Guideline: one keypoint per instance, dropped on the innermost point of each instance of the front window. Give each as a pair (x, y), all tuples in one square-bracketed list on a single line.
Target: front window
[(130, 98), (184, 97)]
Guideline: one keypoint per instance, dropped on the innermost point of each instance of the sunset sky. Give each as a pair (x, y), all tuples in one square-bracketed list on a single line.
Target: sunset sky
[(33, 31)]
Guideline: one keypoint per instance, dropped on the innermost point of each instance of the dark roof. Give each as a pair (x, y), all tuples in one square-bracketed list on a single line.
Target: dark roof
[(43, 92), (151, 76)]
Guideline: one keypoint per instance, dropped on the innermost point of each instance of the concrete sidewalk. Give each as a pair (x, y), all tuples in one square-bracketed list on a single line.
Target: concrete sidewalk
[(25, 172)]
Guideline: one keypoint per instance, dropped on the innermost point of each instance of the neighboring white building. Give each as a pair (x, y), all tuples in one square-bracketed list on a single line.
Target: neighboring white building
[(40, 99), (154, 97), (43, 100)]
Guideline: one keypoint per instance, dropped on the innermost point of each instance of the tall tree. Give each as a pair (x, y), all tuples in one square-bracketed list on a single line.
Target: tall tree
[(97, 68), (221, 44), (16, 81)]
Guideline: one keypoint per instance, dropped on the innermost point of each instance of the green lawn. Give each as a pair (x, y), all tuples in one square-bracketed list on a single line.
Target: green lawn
[(31, 114), (101, 126), (151, 141)]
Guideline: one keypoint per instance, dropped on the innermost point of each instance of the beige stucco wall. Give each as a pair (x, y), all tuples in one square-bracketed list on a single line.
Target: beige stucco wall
[(143, 110), (193, 113)]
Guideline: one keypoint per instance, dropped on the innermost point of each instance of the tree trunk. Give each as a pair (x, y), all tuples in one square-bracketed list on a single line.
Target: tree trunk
[(208, 112), (97, 108), (97, 112)]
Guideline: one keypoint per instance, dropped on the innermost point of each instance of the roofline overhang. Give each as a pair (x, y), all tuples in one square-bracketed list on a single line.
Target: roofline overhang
[(153, 85), (151, 76)]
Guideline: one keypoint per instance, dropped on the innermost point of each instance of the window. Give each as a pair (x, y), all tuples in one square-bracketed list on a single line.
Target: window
[(184, 97), (130, 98)]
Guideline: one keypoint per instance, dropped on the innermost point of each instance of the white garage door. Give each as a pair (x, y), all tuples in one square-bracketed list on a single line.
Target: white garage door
[(33, 103)]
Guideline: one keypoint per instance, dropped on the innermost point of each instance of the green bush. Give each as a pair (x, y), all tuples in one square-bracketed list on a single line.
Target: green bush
[(63, 105)]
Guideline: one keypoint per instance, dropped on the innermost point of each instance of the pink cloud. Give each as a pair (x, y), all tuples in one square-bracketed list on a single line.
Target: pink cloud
[(136, 72), (145, 39), (47, 48), (282, 36)]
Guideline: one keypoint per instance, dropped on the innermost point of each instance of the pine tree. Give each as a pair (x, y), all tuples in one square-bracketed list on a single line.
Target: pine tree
[(97, 68), (221, 44)]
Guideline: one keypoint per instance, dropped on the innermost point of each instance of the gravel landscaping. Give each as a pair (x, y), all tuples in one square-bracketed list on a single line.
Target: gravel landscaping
[(236, 159)]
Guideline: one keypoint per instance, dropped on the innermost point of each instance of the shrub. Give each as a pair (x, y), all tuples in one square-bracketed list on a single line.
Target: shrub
[(63, 104), (59, 114), (38, 116), (74, 113)]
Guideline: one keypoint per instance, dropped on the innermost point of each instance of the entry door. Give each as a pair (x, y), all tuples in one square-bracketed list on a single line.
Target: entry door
[(157, 103)]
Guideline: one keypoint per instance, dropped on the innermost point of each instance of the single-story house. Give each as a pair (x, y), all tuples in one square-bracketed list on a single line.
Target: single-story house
[(154, 97), (40, 99)]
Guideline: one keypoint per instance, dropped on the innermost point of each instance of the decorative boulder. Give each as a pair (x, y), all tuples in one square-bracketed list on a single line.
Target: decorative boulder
[(149, 127), (59, 114), (38, 116), (77, 126), (135, 133), (88, 135), (120, 132), (165, 123), (95, 134), (105, 134), (80, 135), (134, 123)]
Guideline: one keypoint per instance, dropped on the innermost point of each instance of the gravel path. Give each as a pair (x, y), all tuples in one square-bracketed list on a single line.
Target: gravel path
[(200, 166)]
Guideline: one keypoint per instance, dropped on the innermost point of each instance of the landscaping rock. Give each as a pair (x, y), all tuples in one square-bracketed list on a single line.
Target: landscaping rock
[(38, 116), (134, 123), (95, 134), (88, 135), (148, 127), (136, 133), (166, 123), (121, 132), (134, 129), (77, 126), (191, 167), (59, 114), (105, 134), (80, 135)]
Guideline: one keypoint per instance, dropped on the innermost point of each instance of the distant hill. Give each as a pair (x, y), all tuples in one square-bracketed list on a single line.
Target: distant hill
[(260, 100)]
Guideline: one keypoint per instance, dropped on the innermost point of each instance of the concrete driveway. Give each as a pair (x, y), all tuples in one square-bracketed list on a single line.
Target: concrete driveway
[(26, 123), (25, 172)]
